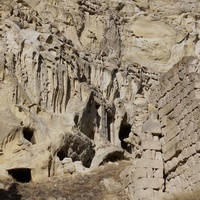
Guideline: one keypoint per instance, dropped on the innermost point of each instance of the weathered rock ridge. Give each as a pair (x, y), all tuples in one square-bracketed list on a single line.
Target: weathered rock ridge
[(88, 82)]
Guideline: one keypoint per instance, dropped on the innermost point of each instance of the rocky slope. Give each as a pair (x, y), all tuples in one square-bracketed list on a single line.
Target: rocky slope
[(86, 82)]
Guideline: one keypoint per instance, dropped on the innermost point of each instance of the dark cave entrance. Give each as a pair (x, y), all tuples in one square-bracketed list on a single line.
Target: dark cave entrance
[(62, 154), (124, 132), (22, 175), (28, 134)]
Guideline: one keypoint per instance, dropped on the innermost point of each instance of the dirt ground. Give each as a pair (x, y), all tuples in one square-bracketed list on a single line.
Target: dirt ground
[(100, 184)]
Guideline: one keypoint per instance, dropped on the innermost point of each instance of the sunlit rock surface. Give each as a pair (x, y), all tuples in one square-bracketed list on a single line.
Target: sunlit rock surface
[(83, 83)]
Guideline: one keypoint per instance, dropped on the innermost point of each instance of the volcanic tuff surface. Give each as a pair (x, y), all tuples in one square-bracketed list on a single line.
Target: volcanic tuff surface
[(87, 82)]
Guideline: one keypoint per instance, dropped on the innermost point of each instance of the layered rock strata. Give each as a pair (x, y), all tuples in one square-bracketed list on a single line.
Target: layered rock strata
[(88, 82)]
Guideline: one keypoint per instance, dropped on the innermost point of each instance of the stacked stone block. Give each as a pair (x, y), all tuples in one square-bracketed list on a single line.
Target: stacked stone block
[(144, 180), (151, 161), (178, 111), (147, 176)]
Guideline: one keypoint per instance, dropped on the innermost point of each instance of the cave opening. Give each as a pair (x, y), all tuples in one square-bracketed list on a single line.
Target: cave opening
[(22, 175), (75, 155), (62, 154), (28, 134), (124, 132)]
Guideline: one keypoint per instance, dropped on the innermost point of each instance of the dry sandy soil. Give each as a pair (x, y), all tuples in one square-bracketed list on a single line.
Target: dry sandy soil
[(100, 184)]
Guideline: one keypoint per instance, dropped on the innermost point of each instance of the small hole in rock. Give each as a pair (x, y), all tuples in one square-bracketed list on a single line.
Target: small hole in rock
[(28, 134), (22, 175)]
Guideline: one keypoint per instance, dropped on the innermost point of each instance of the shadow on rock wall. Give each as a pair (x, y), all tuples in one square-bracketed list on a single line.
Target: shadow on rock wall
[(11, 193)]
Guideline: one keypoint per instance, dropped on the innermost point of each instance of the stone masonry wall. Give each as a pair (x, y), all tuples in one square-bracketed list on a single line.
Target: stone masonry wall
[(144, 179), (178, 112)]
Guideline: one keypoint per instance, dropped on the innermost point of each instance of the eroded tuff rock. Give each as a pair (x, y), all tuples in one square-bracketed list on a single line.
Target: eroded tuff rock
[(88, 82)]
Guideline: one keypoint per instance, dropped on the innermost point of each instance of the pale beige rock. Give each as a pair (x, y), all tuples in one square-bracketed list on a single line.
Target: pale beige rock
[(85, 82), (68, 165), (146, 38), (158, 164), (79, 167), (153, 145)]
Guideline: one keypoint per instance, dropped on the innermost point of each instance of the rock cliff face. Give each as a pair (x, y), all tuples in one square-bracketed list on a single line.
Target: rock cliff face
[(86, 82)]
